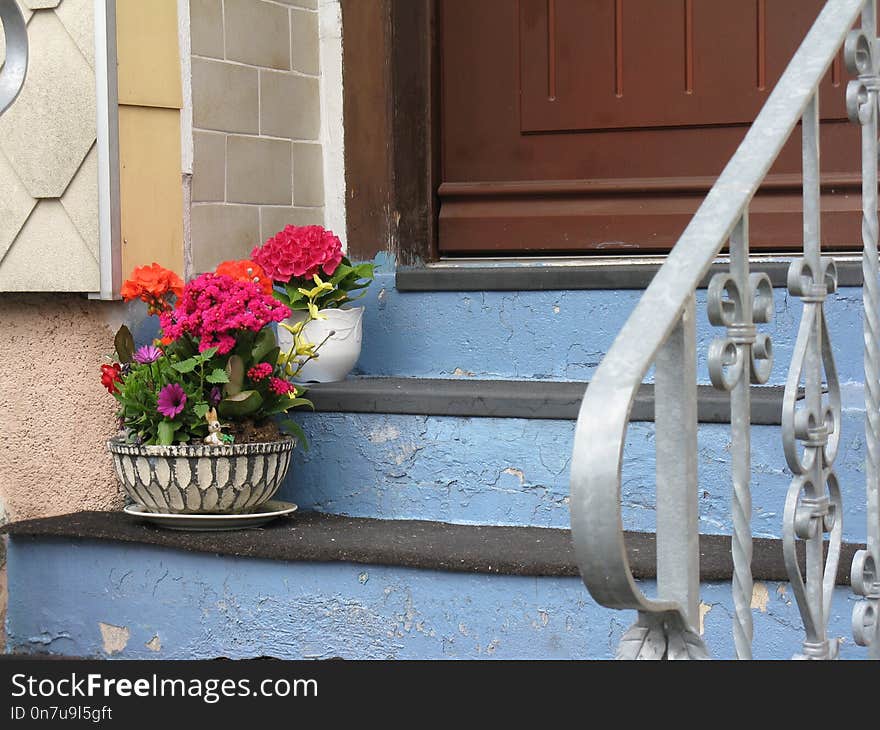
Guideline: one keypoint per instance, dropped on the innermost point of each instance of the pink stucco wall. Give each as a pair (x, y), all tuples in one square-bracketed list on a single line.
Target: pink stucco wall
[(54, 413)]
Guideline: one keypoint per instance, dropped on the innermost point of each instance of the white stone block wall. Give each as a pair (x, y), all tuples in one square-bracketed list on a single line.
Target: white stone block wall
[(258, 161)]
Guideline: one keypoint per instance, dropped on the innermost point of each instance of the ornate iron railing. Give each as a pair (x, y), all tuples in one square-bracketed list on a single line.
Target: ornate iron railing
[(661, 332)]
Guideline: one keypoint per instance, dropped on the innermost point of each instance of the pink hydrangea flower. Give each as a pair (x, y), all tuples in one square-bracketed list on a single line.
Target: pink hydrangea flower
[(299, 252), (214, 307)]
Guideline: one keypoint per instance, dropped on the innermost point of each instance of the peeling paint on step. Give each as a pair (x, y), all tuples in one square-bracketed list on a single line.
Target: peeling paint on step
[(154, 644), (465, 373), (704, 609), (782, 592), (384, 433), (760, 597), (518, 473), (115, 638), (363, 578)]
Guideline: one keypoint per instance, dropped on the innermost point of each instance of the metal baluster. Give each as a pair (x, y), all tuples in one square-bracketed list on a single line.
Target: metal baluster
[(678, 532), (861, 100), (813, 504), (737, 300), (667, 628)]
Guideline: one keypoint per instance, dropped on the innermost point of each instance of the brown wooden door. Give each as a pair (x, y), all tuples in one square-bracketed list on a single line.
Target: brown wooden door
[(578, 126)]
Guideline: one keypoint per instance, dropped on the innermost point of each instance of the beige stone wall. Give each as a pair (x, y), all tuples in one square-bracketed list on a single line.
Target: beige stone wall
[(257, 162), (48, 162)]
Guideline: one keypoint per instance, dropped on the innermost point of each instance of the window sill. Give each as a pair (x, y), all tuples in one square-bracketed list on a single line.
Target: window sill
[(580, 273)]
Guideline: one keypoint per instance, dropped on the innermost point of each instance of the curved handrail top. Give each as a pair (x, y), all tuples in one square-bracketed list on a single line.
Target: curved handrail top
[(605, 409), (15, 65)]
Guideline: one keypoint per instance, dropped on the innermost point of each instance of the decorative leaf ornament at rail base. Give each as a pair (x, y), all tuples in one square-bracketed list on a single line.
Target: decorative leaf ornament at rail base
[(661, 636), (862, 108), (737, 301), (811, 436)]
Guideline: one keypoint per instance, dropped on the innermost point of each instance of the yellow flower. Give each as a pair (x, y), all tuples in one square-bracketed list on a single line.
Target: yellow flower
[(295, 329)]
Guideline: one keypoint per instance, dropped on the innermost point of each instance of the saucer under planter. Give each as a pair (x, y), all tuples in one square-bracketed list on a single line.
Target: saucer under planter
[(338, 355), (201, 479), (266, 512)]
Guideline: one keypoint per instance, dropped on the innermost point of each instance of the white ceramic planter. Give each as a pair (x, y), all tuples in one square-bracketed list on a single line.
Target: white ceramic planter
[(339, 353)]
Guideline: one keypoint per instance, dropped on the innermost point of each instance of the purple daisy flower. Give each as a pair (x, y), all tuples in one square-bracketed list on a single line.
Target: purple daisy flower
[(171, 400), (147, 354)]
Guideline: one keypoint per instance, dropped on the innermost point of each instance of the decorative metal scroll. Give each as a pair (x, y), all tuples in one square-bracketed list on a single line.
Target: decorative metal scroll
[(15, 66), (860, 53), (811, 427), (813, 505), (737, 300)]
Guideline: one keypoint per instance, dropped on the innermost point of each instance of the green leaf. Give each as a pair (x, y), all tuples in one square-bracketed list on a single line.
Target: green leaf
[(184, 347), (219, 375), (365, 271), (282, 405), (187, 366), (166, 432), (201, 410), (341, 272), (244, 343), (294, 429), (263, 345), (272, 356), (206, 355), (240, 405), (124, 344), (294, 295)]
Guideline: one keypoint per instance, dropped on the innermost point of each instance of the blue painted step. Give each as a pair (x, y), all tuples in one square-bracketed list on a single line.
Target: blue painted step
[(514, 471), (559, 335), (139, 602)]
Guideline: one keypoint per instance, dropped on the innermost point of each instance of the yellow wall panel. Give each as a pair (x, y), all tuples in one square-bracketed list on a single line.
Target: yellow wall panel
[(148, 53), (150, 187)]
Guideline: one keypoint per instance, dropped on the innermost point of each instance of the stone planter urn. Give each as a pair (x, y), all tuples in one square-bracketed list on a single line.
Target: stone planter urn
[(200, 479)]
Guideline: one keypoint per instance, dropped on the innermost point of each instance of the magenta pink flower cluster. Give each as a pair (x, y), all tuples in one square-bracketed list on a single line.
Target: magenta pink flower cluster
[(299, 252), (260, 372), (214, 307), (281, 387)]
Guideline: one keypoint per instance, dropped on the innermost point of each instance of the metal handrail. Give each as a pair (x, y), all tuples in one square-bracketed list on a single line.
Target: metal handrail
[(663, 318), (15, 64)]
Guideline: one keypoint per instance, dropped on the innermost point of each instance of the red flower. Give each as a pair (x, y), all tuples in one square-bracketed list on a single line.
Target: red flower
[(299, 252), (246, 271), (152, 284), (110, 375)]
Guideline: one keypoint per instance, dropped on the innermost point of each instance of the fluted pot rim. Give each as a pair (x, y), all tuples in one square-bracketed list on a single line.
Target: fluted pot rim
[(118, 445)]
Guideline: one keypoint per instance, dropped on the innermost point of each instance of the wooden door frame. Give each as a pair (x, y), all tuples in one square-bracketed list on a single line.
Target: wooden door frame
[(390, 74)]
